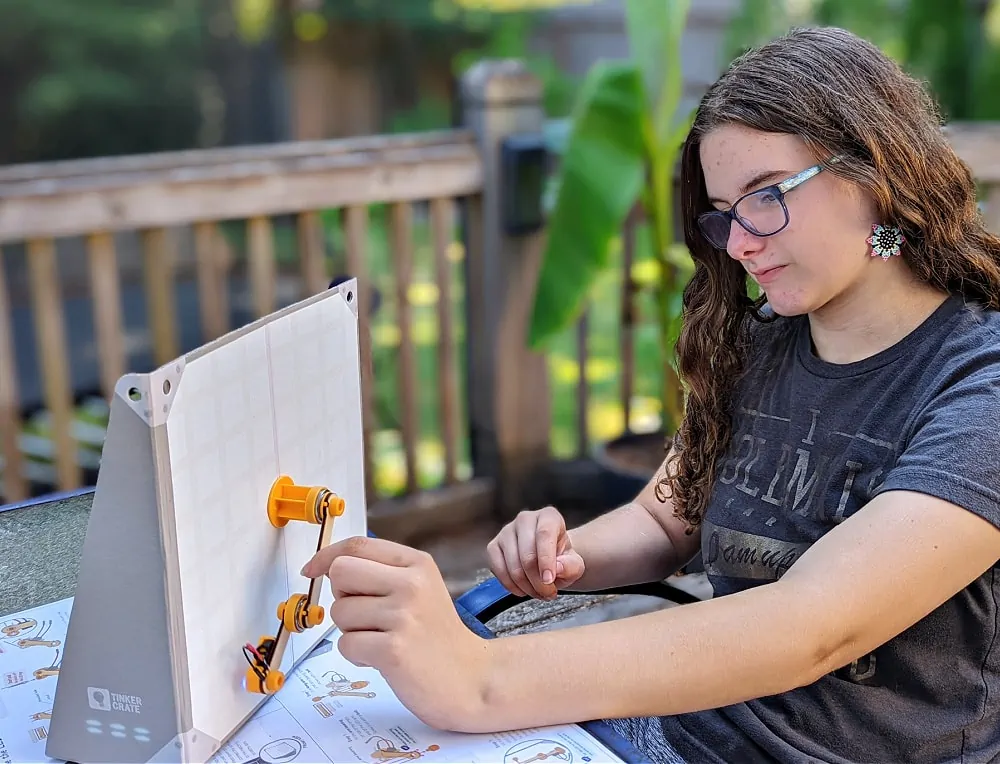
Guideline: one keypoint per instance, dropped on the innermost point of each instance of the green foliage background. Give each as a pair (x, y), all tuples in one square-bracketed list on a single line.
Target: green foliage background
[(98, 77), (954, 45), (105, 77)]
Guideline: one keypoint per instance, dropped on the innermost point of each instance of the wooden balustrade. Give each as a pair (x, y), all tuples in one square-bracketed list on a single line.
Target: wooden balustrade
[(166, 198)]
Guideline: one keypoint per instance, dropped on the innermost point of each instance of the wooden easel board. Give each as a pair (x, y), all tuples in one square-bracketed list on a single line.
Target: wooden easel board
[(181, 504)]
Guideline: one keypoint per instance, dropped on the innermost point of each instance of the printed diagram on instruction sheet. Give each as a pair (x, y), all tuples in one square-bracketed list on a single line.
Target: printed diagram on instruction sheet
[(30, 653), (328, 711)]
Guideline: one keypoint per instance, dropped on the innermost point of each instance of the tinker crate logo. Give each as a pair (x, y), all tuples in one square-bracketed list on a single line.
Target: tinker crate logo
[(101, 699)]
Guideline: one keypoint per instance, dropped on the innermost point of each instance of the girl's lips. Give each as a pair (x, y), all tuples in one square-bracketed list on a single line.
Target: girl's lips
[(768, 274)]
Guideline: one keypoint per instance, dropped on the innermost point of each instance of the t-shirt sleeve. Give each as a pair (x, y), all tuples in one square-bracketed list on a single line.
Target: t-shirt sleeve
[(954, 450)]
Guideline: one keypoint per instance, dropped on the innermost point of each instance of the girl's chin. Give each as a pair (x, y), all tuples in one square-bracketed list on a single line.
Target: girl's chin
[(784, 304)]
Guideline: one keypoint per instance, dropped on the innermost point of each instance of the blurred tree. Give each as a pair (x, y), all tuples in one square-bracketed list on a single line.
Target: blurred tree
[(385, 64), (97, 78), (943, 43), (954, 46)]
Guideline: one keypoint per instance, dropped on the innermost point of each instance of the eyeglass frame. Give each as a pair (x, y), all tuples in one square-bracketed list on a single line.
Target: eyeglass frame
[(780, 190)]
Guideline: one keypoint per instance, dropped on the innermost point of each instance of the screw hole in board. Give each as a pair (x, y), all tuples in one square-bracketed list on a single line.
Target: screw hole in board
[(166, 387), (134, 394), (350, 296)]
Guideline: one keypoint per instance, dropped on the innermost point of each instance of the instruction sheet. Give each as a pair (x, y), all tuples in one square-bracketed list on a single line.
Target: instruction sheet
[(328, 711)]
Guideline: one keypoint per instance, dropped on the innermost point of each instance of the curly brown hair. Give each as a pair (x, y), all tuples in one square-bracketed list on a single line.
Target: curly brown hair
[(842, 96)]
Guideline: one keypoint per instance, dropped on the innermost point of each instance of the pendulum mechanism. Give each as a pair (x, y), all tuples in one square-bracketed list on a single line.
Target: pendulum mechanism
[(289, 502)]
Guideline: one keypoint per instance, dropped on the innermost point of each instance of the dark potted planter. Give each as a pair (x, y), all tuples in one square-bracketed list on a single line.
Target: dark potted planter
[(629, 461), (627, 464)]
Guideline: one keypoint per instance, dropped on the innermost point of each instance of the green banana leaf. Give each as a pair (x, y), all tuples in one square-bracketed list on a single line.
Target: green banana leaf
[(621, 146), (601, 171), (655, 29)]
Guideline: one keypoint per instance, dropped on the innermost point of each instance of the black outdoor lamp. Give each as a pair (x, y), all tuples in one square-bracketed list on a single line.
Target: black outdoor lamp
[(523, 172)]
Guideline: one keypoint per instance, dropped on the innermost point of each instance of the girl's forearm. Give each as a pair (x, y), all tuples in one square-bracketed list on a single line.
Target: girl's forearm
[(856, 588), (653, 664), (624, 546)]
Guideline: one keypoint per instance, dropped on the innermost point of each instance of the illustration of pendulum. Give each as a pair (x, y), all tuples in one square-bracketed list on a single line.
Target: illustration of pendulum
[(341, 686), (537, 750), (36, 640), (17, 627), (48, 671), (386, 752), (558, 751)]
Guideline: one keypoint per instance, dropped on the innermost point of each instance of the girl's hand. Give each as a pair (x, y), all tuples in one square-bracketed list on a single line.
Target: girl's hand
[(532, 555), (397, 616)]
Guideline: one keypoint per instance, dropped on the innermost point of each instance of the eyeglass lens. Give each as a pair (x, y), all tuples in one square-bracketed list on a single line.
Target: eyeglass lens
[(762, 213)]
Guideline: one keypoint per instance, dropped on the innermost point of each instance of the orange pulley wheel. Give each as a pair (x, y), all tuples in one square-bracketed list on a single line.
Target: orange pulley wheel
[(273, 681), (297, 615), (305, 503)]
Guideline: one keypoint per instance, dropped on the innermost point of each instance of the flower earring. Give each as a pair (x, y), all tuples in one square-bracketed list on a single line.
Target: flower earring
[(885, 241)]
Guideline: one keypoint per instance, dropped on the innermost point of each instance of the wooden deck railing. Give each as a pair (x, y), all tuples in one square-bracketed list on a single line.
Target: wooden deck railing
[(246, 230), (160, 196)]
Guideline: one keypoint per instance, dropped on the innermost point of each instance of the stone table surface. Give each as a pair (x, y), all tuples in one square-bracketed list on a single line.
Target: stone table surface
[(40, 546)]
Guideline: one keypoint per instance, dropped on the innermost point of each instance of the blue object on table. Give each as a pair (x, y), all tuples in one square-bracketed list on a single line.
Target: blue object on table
[(490, 598)]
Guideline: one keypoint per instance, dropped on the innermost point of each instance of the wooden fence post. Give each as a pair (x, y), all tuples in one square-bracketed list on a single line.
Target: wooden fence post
[(508, 392)]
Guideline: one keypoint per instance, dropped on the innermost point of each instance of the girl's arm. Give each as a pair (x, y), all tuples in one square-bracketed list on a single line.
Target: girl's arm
[(639, 542), (861, 584)]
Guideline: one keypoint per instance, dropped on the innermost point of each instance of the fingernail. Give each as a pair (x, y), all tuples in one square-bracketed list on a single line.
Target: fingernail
[(305, 570), (547, 577)]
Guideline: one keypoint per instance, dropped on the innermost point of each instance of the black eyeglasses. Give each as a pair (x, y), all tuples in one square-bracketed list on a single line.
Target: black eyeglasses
[(761, 212)]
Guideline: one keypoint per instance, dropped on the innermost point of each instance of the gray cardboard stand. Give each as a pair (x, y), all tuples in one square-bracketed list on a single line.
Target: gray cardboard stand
[(180, 566)]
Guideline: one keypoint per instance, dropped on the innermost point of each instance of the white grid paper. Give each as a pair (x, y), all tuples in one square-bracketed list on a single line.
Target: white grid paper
[(283, 398)]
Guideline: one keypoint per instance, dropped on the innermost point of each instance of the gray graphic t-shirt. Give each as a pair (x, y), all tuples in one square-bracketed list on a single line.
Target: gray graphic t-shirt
[(813, 442)]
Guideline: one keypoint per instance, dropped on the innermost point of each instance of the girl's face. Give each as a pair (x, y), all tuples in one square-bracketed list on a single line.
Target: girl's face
[(821, 254)]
